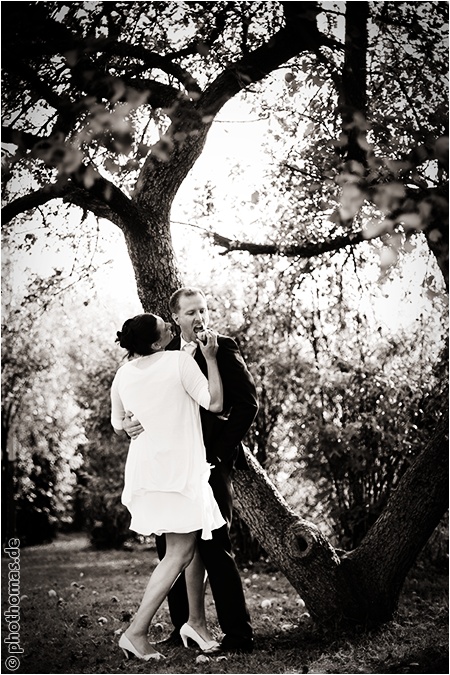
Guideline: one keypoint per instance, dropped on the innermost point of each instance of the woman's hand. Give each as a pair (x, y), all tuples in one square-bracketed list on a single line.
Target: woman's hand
[(207, 340)]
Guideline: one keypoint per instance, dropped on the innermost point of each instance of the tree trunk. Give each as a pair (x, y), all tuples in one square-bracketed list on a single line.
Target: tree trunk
[(364, 585), (378, 567), (153, 261)]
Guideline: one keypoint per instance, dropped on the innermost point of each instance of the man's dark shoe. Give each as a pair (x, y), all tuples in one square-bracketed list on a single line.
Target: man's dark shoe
[(174, 639), (235, 646)]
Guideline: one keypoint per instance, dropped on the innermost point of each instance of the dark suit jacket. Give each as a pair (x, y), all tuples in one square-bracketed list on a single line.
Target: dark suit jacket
[(222, 437)]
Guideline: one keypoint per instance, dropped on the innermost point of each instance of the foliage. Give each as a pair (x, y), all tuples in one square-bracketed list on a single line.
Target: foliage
[(347, 398), (361, 159), (364, 431), (121, 110), (39, 423), (116, 77), (100, 479)]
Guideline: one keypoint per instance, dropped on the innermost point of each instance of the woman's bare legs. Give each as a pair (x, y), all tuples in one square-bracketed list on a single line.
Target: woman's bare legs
[(179, 552), (195, 586)]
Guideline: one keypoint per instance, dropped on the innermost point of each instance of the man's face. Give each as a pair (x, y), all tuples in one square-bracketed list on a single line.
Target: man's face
[(192, 316)]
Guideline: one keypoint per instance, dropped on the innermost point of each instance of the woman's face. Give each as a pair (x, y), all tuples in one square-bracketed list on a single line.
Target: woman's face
[(165, 332)]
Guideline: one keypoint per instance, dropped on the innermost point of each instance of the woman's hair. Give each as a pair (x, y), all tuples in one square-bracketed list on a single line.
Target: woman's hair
[(138, 334)]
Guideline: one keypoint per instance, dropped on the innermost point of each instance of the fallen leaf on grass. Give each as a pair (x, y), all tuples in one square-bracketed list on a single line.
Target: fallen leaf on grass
[(202, 659)]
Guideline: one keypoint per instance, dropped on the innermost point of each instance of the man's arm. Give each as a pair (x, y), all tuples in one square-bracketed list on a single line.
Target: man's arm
[(131, 425), (240, 398)]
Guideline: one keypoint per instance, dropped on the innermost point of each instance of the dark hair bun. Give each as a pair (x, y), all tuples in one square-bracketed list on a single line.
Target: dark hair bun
[(138, 334)]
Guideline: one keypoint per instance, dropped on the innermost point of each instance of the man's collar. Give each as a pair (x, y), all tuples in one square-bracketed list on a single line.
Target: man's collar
[(183, 342)]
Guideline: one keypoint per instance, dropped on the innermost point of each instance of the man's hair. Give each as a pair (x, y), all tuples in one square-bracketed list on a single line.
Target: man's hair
[(187, 291)]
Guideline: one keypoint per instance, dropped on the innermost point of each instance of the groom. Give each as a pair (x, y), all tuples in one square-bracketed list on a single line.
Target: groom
[(222, 436)]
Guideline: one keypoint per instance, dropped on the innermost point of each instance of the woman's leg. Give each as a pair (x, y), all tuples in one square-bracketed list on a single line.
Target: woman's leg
[(195, 586), (179, 553)]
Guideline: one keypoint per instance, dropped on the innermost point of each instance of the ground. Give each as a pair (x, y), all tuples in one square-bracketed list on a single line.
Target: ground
[(76, 601)]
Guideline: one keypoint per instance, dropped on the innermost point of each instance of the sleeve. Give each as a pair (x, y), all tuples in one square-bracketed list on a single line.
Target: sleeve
[(193, 380), (240, 397), (117, 409)]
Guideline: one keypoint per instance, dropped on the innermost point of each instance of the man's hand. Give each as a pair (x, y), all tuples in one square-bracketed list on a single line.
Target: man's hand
[(131, 425)]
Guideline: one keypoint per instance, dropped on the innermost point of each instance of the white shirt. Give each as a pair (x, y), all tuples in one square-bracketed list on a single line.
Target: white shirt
[(190, 346)]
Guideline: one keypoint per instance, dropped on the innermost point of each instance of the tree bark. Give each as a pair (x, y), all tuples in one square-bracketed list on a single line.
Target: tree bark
[(153, 261), (363, 585), (378, 567)]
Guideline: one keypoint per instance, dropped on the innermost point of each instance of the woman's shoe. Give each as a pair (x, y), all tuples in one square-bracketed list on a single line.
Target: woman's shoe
[(129, 648), (187, 632)]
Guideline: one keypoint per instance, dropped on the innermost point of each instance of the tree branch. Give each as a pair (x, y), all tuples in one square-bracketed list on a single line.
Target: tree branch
[(84, 200), (86, 188), (308, 250), (100, 190), (23, 139), (154, 60), (185, 138), (42, 89), (299, 34), (34, 199)]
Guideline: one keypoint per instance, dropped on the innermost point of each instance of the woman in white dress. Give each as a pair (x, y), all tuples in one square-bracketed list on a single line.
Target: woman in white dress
[(166, 474)]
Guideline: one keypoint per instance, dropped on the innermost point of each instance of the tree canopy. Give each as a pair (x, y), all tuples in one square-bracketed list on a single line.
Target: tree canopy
[(108, 106)]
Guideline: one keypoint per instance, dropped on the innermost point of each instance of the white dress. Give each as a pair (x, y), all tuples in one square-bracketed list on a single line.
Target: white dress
[(166, 473)]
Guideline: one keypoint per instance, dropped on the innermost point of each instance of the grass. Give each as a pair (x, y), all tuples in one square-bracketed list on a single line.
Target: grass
[(76, 601)]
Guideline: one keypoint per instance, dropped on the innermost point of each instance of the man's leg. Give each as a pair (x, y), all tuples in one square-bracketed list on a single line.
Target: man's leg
[(227, 591), (224, 579)]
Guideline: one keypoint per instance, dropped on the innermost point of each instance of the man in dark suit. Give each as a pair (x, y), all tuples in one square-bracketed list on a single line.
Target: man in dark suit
[(222, 436)]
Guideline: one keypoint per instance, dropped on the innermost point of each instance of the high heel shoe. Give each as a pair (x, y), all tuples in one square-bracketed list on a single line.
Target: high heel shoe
[(187, 632), (128, 648)]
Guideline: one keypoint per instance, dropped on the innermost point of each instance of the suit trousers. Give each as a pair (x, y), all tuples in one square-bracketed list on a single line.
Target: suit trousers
[(224, 578)]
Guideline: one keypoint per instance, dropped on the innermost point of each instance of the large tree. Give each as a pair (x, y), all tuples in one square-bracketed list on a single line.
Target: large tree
[(87, 87)]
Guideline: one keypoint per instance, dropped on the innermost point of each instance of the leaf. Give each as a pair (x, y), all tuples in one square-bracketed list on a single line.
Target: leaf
[(202, 49), (411, 221), (376, 228), (388, 257), (434, 236)]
